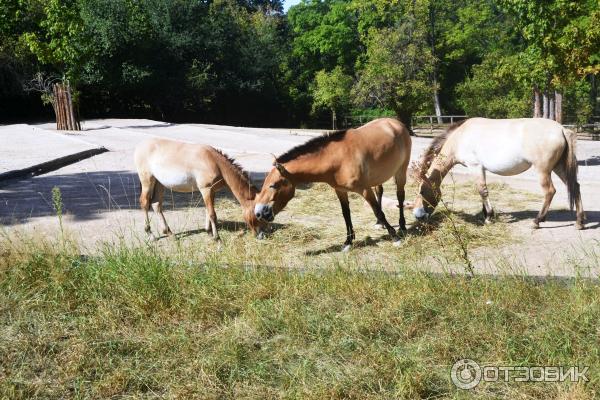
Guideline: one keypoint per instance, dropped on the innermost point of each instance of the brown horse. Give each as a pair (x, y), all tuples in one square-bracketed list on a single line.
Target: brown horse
[(505, 147), (353, 160), (185, 167)]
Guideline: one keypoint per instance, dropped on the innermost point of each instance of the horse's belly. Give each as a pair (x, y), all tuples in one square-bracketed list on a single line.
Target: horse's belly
[(177, 180), (507, 167)]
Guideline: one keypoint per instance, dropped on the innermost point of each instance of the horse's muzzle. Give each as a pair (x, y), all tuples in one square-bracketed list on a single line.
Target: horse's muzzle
[(264, 212), (420, 214)]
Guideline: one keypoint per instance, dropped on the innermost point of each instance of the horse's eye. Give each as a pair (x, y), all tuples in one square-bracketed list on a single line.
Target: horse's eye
[(273, 186)]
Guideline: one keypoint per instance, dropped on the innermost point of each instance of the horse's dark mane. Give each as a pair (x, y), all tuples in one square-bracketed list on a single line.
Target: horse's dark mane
[(236, 166), (436, 145), (311, 146)]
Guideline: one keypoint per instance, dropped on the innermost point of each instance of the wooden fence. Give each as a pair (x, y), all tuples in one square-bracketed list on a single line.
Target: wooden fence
[(432, 124)]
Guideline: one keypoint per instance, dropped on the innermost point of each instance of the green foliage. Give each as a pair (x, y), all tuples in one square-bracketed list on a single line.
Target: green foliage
[(561, 37), (396, 68), (492, 91), (58, 43), (332, 90), (243, 61)]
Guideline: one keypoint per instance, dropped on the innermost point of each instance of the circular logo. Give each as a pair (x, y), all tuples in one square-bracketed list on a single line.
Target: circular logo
[(466, 374)]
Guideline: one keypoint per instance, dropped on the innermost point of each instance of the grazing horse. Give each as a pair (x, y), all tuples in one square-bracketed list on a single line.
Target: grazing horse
[(186, 167), (505, 147), (353, 160)]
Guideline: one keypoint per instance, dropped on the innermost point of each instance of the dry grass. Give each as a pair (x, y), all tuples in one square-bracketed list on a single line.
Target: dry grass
[(309, 233)]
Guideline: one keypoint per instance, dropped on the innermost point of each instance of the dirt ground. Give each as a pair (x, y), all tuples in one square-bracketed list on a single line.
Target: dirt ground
[(99, 197)]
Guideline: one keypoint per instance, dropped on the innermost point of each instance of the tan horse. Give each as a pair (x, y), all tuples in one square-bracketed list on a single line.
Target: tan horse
[(354, 160), (505, 147), (185, 167)]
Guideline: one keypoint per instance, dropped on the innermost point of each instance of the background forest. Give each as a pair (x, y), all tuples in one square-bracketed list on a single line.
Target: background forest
[(246, 62)]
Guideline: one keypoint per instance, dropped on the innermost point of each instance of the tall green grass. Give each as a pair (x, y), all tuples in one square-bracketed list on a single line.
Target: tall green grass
[(138, 323)]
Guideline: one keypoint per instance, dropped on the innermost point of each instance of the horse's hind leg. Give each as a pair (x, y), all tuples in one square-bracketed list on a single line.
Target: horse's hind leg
[(559, 170), (488, 210), (147, 181), (372, 200), (379, 194), (400, 179), (343, 197), (211, 216), (549, 191), (157, 206)]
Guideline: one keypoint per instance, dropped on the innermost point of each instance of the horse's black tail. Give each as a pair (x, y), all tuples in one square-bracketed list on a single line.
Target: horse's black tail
[(570, 166)]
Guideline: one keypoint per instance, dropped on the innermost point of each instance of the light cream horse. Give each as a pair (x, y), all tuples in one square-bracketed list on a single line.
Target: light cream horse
[(353, 160), (185, 167), (505, 147)]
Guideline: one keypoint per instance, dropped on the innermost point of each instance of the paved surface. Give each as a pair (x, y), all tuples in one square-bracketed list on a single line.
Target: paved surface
[(100, 193), (24, 146)]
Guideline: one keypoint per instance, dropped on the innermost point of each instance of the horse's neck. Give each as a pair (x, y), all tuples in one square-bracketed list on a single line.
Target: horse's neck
[(243, 190), (309, 168), (441, 165)]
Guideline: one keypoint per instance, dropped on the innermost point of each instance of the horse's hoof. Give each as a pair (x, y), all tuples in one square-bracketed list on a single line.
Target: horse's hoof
[(397, 243), (535, 225), (488, 221), (579, 226), (261, 236), (347, 248)]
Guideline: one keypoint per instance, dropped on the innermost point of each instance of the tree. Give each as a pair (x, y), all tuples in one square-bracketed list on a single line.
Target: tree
[(396, 69), (332, 91), (493, 90), (561, 39)]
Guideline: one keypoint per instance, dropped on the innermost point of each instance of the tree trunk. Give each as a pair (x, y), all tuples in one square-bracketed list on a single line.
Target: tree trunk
[(545, 105), (333, 120), (558, 107), (594, 94), (65, 114), (551, 109), (436, 101), (436, 90), (537, 103)]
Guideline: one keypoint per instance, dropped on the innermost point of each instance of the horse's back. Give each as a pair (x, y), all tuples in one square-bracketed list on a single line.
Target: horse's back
[(381, 148), (177, 165), (509, 146)]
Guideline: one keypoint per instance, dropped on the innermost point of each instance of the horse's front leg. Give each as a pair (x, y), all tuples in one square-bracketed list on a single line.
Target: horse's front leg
[(211, 216), (372, 200), (488, 211), (343, 197), (157, 206)]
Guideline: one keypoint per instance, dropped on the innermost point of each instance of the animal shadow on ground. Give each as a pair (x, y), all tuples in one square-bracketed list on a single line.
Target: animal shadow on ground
[(222, 225), (593, 218), (87, 195), (590, 162), (357, 244)]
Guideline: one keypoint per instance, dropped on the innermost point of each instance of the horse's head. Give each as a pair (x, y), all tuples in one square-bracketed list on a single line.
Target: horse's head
[(427, 199), (276, 192), (257, 226)]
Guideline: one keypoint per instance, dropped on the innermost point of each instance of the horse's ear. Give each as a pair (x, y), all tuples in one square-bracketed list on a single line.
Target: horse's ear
[(284, 172)]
